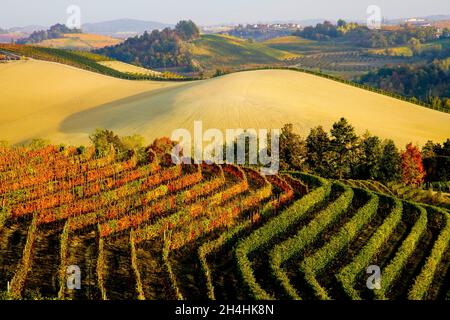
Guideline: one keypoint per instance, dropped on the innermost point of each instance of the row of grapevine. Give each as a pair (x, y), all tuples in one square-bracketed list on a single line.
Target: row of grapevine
[(262, 236), (134, 265), (349, 274), (64, 247), (64, 171), (212, 246), (133, 219), (424, 280), (219, 217), (393, 270), (194, 210), (317, 262), (104, 199), (18, 281), (306, 236)]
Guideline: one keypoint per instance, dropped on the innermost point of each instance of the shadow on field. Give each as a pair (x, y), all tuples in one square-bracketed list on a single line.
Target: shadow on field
[(144, 109)]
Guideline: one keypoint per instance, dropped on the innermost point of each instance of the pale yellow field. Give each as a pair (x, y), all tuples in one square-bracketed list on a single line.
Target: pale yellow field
[(40, 99), (36, 97), (81, 41), (128, 68)]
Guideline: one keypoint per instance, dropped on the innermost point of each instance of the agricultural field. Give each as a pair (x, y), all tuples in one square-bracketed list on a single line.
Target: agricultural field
[(80, 41), (144, 228), (303, 46), (128, 68), (73, 102), (84, 60), (225, 52), (353, 62), (339, 58)]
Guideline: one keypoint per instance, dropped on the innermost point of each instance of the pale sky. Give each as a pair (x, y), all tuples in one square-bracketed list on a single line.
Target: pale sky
[(207, 12)]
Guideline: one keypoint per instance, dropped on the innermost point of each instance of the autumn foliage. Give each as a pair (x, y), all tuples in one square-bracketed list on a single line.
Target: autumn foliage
[(413, 172)]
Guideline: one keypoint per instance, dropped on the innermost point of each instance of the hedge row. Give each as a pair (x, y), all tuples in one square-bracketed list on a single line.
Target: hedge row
[(306, 236), (317, 262), (392, 272), (349, 274), (275, 227)]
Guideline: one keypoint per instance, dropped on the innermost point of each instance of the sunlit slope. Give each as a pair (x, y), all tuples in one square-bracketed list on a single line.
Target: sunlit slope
[(37, 96), (64, 104), (220, 51), (128, 68), (265, 99), (80, 41)]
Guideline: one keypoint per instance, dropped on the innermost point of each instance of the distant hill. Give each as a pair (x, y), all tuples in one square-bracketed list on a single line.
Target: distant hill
[(220, 51), (80, 41), (123, 27), (28, 29)]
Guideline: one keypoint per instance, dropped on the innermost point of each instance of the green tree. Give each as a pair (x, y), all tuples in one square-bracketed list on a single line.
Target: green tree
[(428, 150), (106, 141), (344, 144), (369, 162), (318, 156), (415, 45), (293, 151), (36, 144), (390, 163), (187, 30)]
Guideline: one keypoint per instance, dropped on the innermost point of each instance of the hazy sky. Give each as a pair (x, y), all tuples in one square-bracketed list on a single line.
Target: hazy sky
[(47, 12)]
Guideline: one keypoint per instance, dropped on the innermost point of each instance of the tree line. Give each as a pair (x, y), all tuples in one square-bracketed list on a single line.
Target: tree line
[(55, 32), (337, 154), (342, 154), (429, 83), (157, 49), (362, 36)]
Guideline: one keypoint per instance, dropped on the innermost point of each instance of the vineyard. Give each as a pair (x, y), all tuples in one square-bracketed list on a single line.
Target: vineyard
[(345, 61), (148, 229), (83, 60)]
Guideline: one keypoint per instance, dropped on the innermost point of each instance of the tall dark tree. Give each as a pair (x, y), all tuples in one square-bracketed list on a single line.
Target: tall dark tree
[(390, 163), (428, 150), (344, 144), (318, 145), (187, 30), (369, 163), (293, 150)]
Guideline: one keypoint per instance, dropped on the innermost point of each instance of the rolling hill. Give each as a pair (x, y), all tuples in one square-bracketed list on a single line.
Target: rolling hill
[(65, 104), (221, 51), (80, 41)]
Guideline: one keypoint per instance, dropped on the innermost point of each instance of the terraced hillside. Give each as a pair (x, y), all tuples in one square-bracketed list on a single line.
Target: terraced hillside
[(153, 230)]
